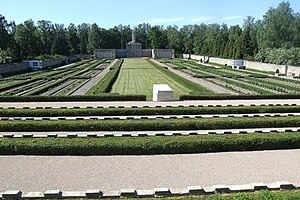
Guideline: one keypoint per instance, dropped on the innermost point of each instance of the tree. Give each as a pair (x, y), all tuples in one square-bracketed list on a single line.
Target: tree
[(83, 34), (73, 39), (157, 37), (4, 57), (113, 38), (187, 33), (233, 48), (141, 32), (248, 39), (94, 39), (60, 43), (278, 26), (27, 39), (173, 38), (4, 35), (125, 35), (45, 32)]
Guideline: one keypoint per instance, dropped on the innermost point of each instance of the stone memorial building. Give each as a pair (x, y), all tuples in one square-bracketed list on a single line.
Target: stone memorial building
[(134, 50)]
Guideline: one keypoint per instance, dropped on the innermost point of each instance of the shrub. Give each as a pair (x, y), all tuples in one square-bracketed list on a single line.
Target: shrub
[(150, 124), (149, 145), (54, 112), (100, 97)]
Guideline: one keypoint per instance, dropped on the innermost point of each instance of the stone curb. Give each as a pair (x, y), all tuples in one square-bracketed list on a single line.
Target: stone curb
[(10, 135), (156, 192), (133, 106)]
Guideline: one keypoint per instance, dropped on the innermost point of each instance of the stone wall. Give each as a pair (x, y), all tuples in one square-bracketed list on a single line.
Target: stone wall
[(121, 53), (147, 53), (287, 70), (54, 62), (78, 57), (105, 53), (163, 53), (13, 68)]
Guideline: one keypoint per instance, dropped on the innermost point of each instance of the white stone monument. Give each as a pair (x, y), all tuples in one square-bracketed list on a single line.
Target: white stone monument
[(162, 92)]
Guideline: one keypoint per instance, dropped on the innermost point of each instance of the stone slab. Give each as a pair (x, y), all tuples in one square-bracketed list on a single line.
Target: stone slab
[(130, 192), (162, 192), (52, 194), (12, 194), (145, 193), (285, 185), (93, 193), (259, 186), (241, 188), (221, 188)]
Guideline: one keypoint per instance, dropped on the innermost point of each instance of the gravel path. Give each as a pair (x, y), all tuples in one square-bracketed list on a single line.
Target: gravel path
[(93, 81), (36, 173)]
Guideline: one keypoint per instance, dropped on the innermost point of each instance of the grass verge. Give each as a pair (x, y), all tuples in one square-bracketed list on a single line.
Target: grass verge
[(261, 195)]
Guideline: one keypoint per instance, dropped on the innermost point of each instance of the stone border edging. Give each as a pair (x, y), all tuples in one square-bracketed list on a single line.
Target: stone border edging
[(156, 192)]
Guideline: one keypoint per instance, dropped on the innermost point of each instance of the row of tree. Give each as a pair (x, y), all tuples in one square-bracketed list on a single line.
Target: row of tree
[(279, 29)]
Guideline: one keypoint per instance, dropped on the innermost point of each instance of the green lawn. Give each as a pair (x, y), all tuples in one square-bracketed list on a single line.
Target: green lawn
[(137, 77)]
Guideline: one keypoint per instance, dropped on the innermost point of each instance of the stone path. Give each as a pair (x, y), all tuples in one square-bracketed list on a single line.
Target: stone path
[(71, 173), (95, 104), (93, 81)]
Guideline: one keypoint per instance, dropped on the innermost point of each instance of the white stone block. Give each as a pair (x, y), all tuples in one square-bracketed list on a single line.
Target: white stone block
[(162, 92)]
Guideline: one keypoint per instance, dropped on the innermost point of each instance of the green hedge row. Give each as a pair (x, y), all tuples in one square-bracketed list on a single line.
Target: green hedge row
[(145, 111), (101, 97), (150, 124), (106, 83), (149, 145), (228, 97)]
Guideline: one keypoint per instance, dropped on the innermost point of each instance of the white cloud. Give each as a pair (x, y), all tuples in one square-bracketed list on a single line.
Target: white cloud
[(165, 20), (227, 18), (200, 19), (189, 20)]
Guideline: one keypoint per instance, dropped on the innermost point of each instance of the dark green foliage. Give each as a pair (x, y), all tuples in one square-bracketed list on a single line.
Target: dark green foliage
[(149, 145), (54, 112), (150, 124), (100, 97)]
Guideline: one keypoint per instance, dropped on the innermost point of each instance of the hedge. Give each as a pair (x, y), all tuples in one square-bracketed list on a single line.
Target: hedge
[(101, 97), (106, 83), (54, 112), (149, 124), (228, 97), (149, 145)]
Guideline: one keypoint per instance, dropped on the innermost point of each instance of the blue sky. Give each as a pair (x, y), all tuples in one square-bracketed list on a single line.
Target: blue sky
[(109, 13)]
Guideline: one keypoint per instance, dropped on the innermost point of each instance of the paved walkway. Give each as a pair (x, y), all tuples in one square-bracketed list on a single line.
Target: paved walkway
[(34, 173), (150, 103)]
